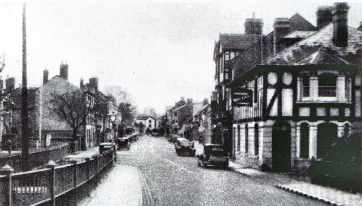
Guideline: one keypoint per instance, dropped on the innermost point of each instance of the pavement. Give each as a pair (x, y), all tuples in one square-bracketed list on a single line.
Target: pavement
[(321, 193), (121, 186)]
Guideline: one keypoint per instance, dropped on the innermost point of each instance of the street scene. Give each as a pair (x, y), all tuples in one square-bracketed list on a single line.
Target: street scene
[(180, 103)]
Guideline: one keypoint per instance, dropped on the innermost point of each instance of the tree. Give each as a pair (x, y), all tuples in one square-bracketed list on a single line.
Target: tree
[(128, 112), (72, 107)]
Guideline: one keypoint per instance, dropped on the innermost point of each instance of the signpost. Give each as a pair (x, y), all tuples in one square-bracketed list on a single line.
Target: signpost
[(242, 97)]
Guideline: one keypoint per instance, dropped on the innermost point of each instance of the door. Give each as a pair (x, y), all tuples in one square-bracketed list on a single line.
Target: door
[(326, 136), (281, 147)]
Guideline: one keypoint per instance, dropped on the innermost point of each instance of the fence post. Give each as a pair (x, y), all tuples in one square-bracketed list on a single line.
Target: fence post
[(7, 170), (95, 157), (51, 165), (87, 160), (74, 163)]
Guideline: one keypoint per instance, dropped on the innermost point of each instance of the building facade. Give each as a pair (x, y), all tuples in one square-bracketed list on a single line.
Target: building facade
[(304, 92)]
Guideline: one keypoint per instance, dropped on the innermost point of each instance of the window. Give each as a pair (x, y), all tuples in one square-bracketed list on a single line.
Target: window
[(304, 140), (238, 145), (256, 141), (327, 84), (346, 130), (246, 139), (306, 86), (256, 91)]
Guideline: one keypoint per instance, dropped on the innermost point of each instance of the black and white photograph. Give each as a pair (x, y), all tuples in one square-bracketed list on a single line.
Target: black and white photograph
[(180, 103)]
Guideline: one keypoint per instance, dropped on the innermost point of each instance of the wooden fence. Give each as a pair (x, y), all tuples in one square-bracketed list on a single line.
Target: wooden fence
[(48, 186)]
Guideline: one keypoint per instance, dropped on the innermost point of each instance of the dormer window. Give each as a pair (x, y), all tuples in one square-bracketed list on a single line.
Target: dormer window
[(327, 85)]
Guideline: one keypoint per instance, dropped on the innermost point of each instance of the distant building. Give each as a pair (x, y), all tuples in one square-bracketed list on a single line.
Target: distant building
[(148, 121)]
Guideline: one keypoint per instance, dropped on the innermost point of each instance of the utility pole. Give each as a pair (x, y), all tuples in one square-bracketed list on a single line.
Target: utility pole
[(24, 105)]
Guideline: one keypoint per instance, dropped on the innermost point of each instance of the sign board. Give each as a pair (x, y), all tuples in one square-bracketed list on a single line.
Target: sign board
[(242, 97)]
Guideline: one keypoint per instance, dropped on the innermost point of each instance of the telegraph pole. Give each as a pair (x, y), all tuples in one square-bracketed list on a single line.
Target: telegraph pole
[(24, 105)]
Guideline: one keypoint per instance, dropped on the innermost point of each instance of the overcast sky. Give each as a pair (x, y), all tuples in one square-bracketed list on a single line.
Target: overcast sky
[(157, 50)]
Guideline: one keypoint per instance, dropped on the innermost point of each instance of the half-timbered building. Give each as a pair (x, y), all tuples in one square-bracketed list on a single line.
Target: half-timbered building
[(289, 106)]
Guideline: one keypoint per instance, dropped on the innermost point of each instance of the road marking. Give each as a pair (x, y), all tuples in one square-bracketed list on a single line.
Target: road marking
[(178, 166)]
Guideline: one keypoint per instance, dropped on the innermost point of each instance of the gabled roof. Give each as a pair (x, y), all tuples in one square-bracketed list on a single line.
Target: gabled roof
[(309, 46), (298, 22)]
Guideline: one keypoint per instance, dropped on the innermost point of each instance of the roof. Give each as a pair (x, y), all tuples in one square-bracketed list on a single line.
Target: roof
[(299, 34), (298, 22), (309, 46), (235, 41)]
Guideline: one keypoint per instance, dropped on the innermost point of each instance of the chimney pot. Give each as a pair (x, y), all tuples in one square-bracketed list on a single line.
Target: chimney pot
[(93, 83), (281, 28), (63, 71), (324, 16), (45, 76), (10, 84), (253, 26), (340, 24)]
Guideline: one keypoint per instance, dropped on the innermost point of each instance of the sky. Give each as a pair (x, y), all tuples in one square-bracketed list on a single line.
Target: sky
[(157, 50)]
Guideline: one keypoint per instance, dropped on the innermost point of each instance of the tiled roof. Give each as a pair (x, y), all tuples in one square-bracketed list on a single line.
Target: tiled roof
[(237, 41), (323, 38)]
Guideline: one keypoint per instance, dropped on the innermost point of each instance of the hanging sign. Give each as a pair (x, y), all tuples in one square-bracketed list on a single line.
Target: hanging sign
[(242, 97)]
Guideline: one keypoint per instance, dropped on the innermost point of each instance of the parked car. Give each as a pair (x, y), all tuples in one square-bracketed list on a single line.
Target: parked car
[(106, 146), (123, 142), (184, 146), (156, 132), (214, 154), (172, 138)]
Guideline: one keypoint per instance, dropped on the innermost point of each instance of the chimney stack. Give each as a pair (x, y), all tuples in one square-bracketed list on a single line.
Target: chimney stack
[(93, 83), (45, 76), (281, 29), (10, 84), (324, 16), (81, 84), (253, 26), (340, 24), (63, 71)]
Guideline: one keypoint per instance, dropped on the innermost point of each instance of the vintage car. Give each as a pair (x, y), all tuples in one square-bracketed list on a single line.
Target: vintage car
[(214, 154), (106, 146), (123, 143), (184, 146)]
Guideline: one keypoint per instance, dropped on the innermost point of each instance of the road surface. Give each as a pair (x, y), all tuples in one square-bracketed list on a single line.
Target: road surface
[(169, 180)]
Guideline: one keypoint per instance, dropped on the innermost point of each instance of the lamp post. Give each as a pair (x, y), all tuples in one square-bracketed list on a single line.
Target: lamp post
[(24, 105)]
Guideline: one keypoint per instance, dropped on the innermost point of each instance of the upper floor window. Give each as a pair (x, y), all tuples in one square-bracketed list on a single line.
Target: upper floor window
[(327, 85), (306, 86)]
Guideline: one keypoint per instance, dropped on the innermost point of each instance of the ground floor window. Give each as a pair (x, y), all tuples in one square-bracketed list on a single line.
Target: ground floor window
[(256, 141), (304, 140), (238, 145), (246, 139)]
